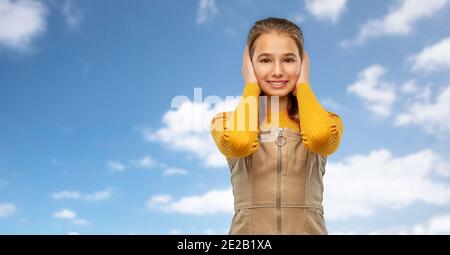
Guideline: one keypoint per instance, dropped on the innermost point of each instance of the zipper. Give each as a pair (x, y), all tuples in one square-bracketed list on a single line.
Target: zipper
[(279, 139)]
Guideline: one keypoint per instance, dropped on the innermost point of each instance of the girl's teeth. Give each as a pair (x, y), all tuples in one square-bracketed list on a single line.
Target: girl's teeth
[(277, 83)]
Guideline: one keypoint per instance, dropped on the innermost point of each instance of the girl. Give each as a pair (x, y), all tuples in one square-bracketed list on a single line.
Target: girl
[(277, 153)]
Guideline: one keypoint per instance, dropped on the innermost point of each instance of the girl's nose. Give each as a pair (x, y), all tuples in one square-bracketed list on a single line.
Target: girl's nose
[(277, 70)]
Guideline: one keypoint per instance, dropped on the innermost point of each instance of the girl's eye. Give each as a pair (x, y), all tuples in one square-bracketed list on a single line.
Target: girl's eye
[(290, 60), (267, 60)]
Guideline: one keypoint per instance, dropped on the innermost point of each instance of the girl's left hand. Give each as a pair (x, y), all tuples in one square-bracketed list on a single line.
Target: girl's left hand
[(304, 72)]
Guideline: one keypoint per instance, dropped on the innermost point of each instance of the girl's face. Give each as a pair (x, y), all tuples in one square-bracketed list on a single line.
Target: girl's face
[(276, 61)]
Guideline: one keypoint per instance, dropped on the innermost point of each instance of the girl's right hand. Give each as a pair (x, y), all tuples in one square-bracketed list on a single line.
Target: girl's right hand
[(248, 73)]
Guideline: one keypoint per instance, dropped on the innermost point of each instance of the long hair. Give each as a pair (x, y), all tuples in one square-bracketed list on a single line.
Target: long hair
[(287, 27)]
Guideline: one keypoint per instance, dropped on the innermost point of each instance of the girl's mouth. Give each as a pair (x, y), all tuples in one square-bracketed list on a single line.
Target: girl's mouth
[(278, 84)]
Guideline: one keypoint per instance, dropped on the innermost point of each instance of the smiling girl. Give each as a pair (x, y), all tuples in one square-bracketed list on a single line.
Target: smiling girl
[(277, 163)]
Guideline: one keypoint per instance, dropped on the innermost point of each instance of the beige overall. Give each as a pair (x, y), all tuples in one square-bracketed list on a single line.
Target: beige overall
[(278, 189)]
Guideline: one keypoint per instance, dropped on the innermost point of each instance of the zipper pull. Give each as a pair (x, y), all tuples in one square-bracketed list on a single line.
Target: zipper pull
[(281, 140)]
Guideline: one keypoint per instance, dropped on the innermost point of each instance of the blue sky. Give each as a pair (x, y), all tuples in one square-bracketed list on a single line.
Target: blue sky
[(88, 133)]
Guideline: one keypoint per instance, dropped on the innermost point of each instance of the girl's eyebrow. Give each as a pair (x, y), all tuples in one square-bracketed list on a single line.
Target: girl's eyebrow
[(290, 55), (264, 55), (285, 54)]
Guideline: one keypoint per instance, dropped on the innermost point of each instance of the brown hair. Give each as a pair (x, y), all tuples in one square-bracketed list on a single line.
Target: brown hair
[(279, 25)]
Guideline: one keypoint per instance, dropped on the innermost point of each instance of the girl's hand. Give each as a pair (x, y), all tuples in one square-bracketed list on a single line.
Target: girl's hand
[(304, 72), (248, 73)]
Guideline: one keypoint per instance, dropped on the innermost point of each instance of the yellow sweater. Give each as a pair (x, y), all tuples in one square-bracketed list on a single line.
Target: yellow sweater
[(236, 133)]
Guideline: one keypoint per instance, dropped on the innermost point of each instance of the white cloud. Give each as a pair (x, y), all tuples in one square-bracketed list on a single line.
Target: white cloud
[(80, 222), (65, 214), (410, 87), (6, 209), (176, 232), (68, 214), (98, 196), (207, 9), (377, 95), (21, 21), (399, 21), (331, 103), (360, 185), (342, 233), (211, 232), (174, 171), (116, 166), (357, 186), (145, 162), (432, 117), (73, 233), (149, 162), (71, 13), (157, 200), (187, 129), (437, 225), (326, 9), (214, 201), (205, 232), (66, 195), (76, 195), (433, 58)]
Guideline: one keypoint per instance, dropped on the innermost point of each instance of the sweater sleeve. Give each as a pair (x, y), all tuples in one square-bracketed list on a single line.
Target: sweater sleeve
[(321, 130), (236, 133)]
